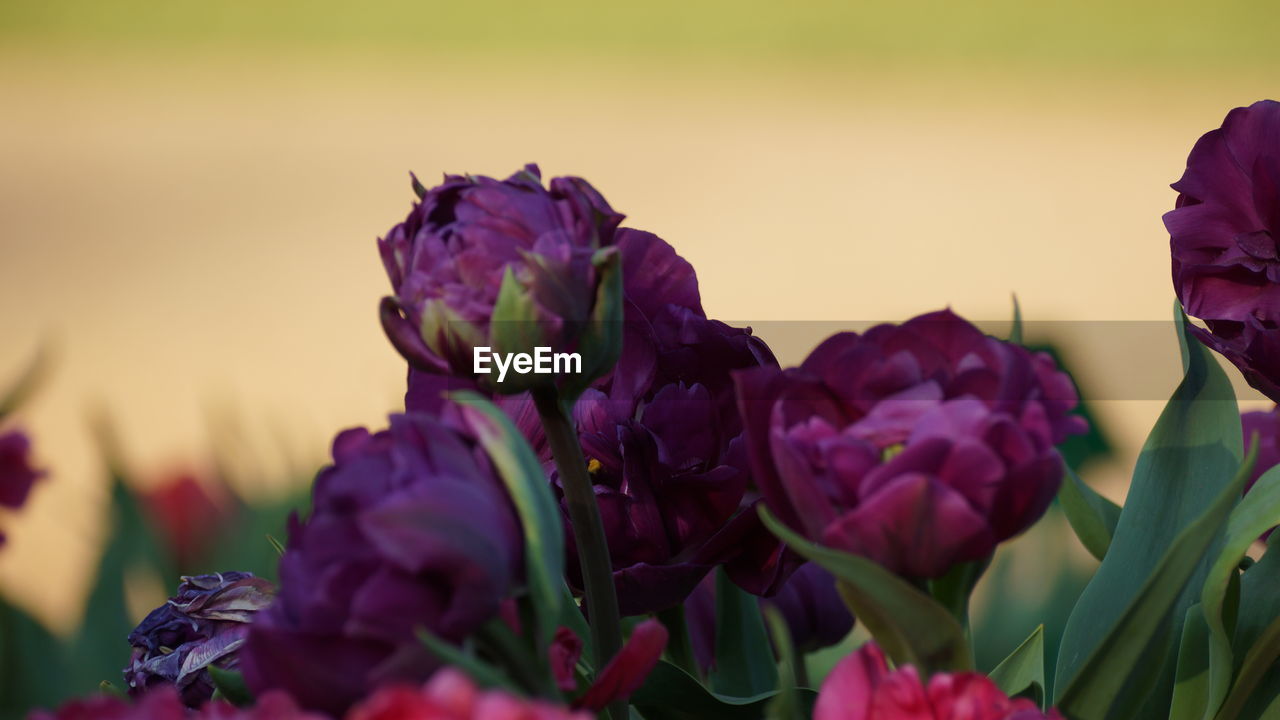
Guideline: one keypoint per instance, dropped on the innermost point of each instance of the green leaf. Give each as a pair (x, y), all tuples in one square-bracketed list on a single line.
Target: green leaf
[(131, 545), (1092, 517), (1258, 512), (1191, 683), (33, 664), (670, 693), (1259, 662), (1259, 607), (786, 704), (911, 627), (1022, 673), (1187, 461), (744, 659), (230, 683), (26, 383), (540, 518), (482, 672), (1095, 691), (1015, 332)]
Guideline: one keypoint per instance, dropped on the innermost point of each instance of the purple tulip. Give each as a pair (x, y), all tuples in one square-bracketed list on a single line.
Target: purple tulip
[(17, 475), (409, 528), (1222, 235), (508, 265), (815, 614), (204, 624), (919, 446), (662, 437)]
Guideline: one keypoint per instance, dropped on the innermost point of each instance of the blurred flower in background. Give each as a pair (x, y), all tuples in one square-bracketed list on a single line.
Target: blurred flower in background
[(451, 695), (189, 515), (17, 472)]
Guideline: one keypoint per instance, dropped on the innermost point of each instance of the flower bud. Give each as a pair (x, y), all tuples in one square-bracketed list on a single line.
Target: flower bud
[(506, 267)]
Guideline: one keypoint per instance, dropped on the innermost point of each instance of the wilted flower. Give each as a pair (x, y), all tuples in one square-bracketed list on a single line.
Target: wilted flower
[(187, 515), (204, 624), (862, 687), (450, 695), (508, 265), (920, 446), (409, 528), (1222, 235), (17, 475), (661, 435)]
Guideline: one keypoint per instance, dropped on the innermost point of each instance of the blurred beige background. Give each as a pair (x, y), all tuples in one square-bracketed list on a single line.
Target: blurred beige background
[(189, 194)]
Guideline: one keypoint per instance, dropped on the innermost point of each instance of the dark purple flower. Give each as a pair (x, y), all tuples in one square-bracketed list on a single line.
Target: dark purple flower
[(204, 624), (409, 528), (815, 614), (1222, 235), (17, 475), (920, 446), (473, 240), (662, 437)]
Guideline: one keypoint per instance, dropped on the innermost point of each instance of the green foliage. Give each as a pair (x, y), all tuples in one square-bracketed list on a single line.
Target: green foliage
[(1184, 468), (1022, 673), (1092, 516), (670, 693), (910, 626), (744, 659)]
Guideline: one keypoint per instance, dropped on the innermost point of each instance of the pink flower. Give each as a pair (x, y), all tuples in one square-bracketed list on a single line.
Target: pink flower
[(862, 687), (450, 695), (163, 703)]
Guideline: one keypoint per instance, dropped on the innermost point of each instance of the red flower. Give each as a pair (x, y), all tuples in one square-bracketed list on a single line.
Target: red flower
[(862, 687), (187, 516), (565, 650), (450, 695), (626, 672)]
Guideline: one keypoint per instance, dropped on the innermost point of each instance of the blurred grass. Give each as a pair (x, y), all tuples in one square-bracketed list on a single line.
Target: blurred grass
[(1096, 32)]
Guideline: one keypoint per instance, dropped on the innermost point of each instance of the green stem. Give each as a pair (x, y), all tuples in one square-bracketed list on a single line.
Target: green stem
[(679, 648), (953, 590), (588, 530)]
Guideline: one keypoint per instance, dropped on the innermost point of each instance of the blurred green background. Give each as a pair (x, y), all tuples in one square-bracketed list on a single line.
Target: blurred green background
[(190, 192)]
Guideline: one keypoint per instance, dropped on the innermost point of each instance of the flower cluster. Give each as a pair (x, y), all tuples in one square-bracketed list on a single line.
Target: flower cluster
[(920, 446), (661, 434)]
